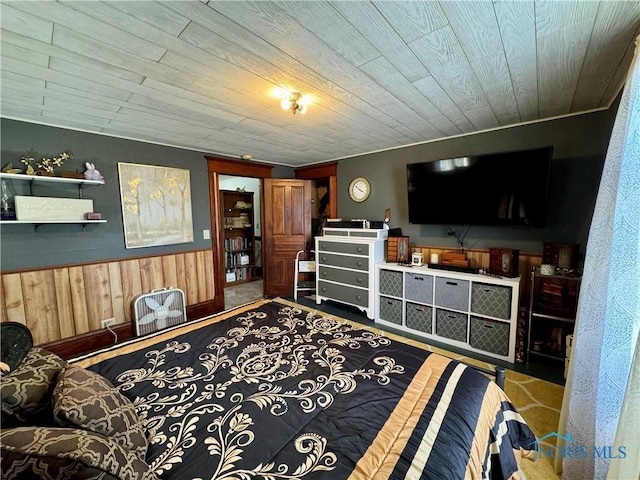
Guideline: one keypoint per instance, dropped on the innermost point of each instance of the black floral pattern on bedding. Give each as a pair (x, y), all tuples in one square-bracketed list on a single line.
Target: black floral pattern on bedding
[(244, 386)]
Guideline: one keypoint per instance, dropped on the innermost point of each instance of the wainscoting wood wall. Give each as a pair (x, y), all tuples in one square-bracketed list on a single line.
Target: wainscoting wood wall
[(62, 302)]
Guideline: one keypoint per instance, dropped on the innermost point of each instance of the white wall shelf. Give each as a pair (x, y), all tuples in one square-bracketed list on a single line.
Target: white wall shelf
[(32, 179), (47, 179)]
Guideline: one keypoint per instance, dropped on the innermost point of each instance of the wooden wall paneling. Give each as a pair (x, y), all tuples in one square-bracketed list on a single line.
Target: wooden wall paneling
[(98, 294), (191, 268), (169, 271), (64, 304), (68, 302), (151, 274), (131, 284), (181, 273), (209, 275), (12, 299), (200, 269), (117, 296), (474, 258), (78, 299), (41, 312)]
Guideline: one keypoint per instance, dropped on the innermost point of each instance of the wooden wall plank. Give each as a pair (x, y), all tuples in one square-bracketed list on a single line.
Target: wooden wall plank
[(181, 273), (131, 284), (12, 299), (191, 270), (209, 278), (169, 271), (117, 296), (98, 296), (42, 320), (78, 300), (201, 269), (64, 303), (151, 273)]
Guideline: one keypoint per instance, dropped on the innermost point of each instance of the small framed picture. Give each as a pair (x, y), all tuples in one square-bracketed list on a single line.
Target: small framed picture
[(398, 250), (404, 251)]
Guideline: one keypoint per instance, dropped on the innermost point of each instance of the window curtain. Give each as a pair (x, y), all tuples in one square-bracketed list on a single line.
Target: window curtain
[(600, 409)]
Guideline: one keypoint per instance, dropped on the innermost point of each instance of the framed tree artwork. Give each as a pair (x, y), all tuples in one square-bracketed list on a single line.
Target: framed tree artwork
[(156, 205)]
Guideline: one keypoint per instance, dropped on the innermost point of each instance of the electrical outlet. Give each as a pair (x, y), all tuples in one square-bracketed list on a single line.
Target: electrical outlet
[(107, 322)]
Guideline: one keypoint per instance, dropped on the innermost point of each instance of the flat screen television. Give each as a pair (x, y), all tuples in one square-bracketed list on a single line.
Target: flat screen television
[(506, 188)]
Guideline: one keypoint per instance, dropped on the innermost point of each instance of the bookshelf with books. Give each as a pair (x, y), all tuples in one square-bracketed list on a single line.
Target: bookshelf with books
[(239, 242)]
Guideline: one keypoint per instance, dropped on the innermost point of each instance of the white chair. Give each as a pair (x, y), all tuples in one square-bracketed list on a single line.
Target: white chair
[(306, 268)]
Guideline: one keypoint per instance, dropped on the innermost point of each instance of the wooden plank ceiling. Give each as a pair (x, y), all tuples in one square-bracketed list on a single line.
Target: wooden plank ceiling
[(382, 74)]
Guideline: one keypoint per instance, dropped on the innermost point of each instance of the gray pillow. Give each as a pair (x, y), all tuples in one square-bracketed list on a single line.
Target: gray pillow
[(26, 391), (64, 453), (87, 400)]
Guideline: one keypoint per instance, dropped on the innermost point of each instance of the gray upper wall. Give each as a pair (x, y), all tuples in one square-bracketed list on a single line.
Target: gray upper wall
[(21, 247), (579, 142)]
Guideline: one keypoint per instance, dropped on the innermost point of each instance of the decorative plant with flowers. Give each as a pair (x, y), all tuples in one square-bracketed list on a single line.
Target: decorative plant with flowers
[(46, 165)]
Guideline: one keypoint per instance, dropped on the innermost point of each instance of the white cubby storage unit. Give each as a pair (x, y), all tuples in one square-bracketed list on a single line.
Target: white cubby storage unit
[(477, 313)]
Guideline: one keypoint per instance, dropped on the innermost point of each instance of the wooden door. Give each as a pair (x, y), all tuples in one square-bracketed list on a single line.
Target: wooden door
[(286, 229)]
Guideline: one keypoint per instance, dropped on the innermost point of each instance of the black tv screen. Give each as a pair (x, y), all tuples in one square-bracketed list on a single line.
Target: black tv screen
[(507, 188)]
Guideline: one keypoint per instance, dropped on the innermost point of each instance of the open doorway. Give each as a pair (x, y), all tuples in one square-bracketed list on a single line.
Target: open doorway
[(240, 201), (218, 167), (324, 196)]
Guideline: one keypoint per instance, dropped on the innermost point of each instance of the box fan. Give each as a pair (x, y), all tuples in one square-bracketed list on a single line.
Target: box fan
[(159, 309)]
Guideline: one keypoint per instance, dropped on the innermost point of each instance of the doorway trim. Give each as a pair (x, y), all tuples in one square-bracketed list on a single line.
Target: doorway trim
[(323, 170), (217, 166)]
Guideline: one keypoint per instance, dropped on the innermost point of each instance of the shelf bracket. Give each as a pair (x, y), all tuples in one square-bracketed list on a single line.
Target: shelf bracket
[(36, 226)]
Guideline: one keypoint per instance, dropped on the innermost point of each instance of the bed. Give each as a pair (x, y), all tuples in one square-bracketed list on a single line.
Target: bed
[(273, 391)]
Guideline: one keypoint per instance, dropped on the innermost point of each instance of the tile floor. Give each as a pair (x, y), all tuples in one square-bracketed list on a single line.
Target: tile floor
[(243, 293)]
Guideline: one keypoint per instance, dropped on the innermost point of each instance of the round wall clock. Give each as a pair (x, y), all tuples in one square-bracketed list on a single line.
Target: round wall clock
[(359, 189)]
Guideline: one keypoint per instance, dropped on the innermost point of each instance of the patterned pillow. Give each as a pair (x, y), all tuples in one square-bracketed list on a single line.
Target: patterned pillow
[(85, 399), (26, 391), (63, 453)]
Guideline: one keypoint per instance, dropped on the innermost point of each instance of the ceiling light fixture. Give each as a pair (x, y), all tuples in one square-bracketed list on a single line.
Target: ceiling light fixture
[(294, 103)]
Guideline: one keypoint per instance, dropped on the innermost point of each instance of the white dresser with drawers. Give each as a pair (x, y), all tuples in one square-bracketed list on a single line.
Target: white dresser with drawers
[(345, 259), (473, 312)]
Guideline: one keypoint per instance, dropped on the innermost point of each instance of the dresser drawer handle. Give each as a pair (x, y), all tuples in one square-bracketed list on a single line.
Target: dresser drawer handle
[(323, 246), (418, 278), (358, 297), (487, 325), (452, 316), (359, 249), (359, 264), (489, 290), (452, 283), (324, 274), (389, 303), (323, 289), (419, 309), (359, 279), (324, 259)]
